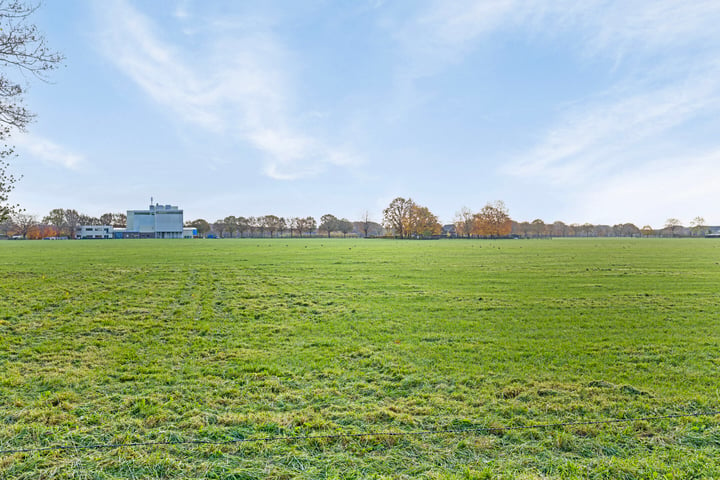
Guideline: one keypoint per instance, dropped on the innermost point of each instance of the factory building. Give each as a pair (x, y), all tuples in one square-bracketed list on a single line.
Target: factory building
[(93, 231), (158, 221)]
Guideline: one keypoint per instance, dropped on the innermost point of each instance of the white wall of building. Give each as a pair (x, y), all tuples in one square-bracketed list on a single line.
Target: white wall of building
[(94, 231), (159, 221)]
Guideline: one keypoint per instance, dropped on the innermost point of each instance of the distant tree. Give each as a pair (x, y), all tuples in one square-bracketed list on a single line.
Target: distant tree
[(306, 224), (262, 226), (672, 225), (119, 220), (267, 225), (50, 231), (243, 225), (602, 230), (311, 224), (219, 228), (201, 225), (293, 225), (422, 222), (253, 225), (273, 223), (56, 218), (647, 230), (366, 223), (231, 225), (345, 226), (464, 222), (397, 214), (538, 227), (697, 225), (630, 230), (586, 228), (522, 228), (23, 223), (40, 231), (282, 225), (34, 232), (368, 228), (329, 223), (493, 221), (559, 229), (88, 220), (72, 220)]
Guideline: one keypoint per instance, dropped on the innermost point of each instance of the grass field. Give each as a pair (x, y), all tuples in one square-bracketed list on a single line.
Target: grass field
[(136, 341)]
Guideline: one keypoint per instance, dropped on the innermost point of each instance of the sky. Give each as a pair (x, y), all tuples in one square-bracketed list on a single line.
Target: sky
[(596, 111)]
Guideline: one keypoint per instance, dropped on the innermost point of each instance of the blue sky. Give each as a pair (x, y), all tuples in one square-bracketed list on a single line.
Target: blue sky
[(593, 111)]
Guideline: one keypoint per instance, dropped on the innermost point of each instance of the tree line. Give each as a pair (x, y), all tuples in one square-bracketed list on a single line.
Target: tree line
[(58, 223), (672, 228), (402, 218), (275, 226)]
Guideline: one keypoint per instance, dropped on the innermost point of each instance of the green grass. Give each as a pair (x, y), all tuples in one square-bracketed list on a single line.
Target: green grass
[(134, 341)]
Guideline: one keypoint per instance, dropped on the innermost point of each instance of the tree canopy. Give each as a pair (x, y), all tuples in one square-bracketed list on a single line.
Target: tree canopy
[(23, 51), (396, 215), (407, 219), (493, 221), (7, 184)]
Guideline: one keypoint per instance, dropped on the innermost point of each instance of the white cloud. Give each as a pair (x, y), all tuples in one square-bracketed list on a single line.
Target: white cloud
[(635, 27), (596, 136), (624, 123), (445, 32), (233, 83), (48, 151), (448, 29), (455, 23), (613, 149)]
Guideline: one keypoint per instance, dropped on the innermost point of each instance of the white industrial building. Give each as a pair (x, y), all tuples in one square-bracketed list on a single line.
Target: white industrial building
[(158, 221), (94, 231)]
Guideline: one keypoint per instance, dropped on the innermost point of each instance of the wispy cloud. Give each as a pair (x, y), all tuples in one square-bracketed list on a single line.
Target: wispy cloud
[(445, 31), (233, 83), (652, 98), (626, 144), (600, 135), (48, 151), (637, 27), (130, 42)]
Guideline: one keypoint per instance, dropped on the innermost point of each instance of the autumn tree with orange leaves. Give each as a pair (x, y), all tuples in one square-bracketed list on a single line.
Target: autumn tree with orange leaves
[(492, 221), (396, 215), (422, 222), (408, 219), (38, 232)]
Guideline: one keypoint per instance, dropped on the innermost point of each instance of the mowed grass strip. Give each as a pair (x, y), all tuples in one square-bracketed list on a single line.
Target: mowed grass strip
[(125, 341)]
